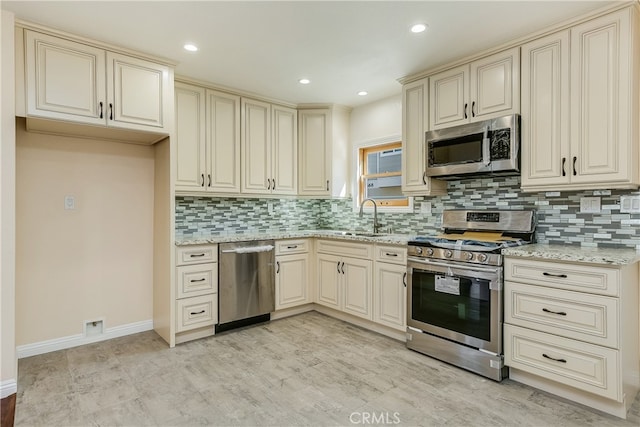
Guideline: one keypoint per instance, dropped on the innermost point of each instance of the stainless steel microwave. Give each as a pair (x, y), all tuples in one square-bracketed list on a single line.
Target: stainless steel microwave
[(481, 148)]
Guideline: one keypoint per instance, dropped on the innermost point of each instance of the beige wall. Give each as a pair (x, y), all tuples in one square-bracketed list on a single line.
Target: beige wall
[(8, 363), (377, 120), (92, 262)]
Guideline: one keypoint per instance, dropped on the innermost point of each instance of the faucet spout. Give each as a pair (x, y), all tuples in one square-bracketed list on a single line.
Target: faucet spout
[(376, 225)]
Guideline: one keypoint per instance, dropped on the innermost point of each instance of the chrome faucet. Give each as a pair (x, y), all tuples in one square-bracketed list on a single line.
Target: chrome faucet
[(376, 225)]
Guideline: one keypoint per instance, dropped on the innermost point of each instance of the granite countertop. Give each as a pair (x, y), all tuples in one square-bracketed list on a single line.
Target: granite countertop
[(607, 256), (392, 239)]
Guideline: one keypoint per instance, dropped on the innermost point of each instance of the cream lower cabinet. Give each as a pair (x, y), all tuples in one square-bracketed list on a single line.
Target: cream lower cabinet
[(415, 120), (390, 286), (196, 296), (207, 148), (572, 329), (580, 104), (345, 277), (76, 82), (293, 273)]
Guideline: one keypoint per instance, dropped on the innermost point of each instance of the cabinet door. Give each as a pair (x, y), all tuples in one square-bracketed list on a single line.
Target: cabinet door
[(292, 281), (389, 297), (256, 146), (414, 124), (137, 93), (65, 80), (448, 98), (358, 286), (545, 111), (495, 85), (285, 150), (329, 278), (223, 142), (190, 138), (315, 152), (601, 91)]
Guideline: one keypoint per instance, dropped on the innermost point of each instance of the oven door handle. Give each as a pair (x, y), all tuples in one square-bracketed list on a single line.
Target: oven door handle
[(472, 267)]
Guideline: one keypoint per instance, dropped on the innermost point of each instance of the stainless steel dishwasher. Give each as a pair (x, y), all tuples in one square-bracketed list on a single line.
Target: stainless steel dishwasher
[(246, 283)]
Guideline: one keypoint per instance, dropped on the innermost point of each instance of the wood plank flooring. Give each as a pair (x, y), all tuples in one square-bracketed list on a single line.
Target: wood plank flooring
[(307, 370)]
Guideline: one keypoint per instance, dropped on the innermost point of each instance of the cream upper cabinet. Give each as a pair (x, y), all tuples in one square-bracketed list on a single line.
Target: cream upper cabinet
[(415, 107), (77, 82), (207, 140), (486, 88), (315, 141), (269, 148), (580, 106)]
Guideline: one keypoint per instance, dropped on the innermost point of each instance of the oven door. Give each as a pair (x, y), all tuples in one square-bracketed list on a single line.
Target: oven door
[(455, 301)]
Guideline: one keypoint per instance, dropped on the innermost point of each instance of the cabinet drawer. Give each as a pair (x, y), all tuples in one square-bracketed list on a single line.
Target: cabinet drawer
[(585, 366), (197, 254), (358, 250), (196, 312), (392, 254), (585, 317), (285, 247), (194, 280), (576, 277)]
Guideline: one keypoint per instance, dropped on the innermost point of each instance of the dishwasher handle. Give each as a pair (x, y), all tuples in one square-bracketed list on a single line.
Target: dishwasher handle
[(249, 249)]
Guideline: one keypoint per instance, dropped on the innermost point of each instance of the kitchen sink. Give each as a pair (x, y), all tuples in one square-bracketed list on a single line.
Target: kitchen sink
[(360, 234)]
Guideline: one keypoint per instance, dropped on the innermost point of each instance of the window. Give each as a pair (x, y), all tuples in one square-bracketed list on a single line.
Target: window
[(380, 175)]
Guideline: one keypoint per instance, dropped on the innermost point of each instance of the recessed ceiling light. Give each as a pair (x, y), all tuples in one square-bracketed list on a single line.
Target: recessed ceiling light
[(418, 28), (304, 81), (191, 47), (363, 93)]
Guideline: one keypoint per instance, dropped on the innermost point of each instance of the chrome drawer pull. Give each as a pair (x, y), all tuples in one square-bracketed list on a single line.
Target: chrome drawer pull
[(198, 280), (560, 276), (554, 359), (199, 312), (560, 313), (388, 254), (196, 255)]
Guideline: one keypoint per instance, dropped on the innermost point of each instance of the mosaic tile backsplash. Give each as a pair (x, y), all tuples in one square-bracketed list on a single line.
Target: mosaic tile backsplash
[(558, 214)]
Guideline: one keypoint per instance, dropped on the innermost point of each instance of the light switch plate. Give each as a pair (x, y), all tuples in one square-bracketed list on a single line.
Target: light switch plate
[(629, 204), (334, 208), (590, 204), (270, 207), (69, 203)]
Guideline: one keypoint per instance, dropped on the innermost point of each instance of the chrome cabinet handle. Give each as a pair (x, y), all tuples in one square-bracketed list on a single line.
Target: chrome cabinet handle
[(338, 267), (209, 176), (196, 255), (277, 267), (465, 110), (101, 115), (559, 313), (327, 185), (404, 279), (197, 280), (193, 313), (110, 111), (202, 175), (574, 166), (343, 268), (268, 184), (274, 184), (564, 160), (559, 276), (554, 359), (473, 109)]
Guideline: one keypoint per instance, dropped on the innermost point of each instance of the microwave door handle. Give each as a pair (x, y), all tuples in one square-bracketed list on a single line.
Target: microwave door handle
[(486, 147)]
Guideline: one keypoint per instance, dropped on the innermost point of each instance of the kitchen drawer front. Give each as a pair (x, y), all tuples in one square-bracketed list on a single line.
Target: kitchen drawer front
[(577, 364), (197, 254), (357, 250), (196, 312), (286, 247), (195, 280), (585, 317), (577, 277), (392, 254)]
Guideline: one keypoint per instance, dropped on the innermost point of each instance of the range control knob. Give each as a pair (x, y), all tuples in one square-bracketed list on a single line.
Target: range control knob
[(429, 251), (468, 256), (482, 257), (419, 250), (448, 253)]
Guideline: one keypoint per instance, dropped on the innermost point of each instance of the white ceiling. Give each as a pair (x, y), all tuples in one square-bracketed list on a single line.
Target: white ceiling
[(265, 47)]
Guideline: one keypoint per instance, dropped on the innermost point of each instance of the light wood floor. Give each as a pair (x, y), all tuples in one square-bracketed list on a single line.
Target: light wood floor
[(305, 370)]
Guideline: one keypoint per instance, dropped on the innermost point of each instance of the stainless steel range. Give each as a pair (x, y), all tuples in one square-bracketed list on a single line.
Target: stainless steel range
[(455, 286)]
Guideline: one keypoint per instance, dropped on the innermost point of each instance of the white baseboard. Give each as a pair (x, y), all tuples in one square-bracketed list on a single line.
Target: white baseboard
[(56, 344), (7, 388)]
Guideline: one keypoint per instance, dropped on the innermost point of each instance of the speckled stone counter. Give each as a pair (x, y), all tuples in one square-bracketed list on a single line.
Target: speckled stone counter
[(391, 239), (607, 256)]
